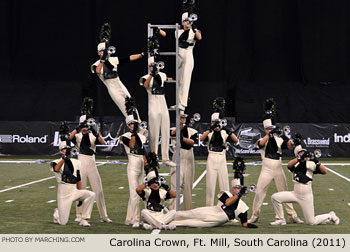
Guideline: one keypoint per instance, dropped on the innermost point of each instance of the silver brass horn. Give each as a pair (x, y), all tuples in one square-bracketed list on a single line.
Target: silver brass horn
[(160, 65), (193, 17), (252, 188), (196, 117), (91, 122), (111, 50), (143, 125), (317, 153), (162, 180), (223, 123), (286, 129), (75, 151)]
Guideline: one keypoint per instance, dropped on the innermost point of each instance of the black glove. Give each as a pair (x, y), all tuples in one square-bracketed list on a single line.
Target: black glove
[(154, 71), (285, 138), (156, 31), (297, 139), (134, 130), (79, 127), (104, 56), (80, 202), (94, 132), (214, 125), (166, 187), (152, 181), (305, 155), (315, 160), (65, 157), (242, 192), (194, 27)]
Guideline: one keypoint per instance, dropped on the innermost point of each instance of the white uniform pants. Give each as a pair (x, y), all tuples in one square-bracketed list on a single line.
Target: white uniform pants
[(158, 219), (135, 178), (118, 93), (186, 64), (89, 171), (302, 195), (186, 177), (65, 203), (210, 216), (271, 170), (158, 121), (216, 168)]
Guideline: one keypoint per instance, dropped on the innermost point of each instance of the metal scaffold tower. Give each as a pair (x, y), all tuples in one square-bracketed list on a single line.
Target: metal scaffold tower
[(176, 54)]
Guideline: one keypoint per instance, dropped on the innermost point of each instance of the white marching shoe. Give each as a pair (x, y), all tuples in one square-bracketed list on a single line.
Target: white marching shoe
[(253, 220), (169, 163), (334, 218), (277, 222), (55, 216), (78, 219), (296, 219), (147, 226), (106, 220), (136, 225), (84, 223)]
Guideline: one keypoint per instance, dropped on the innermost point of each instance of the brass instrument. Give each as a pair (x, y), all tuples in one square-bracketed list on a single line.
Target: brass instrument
[(162, 180), (193, 17), (111, 50), (143, 125), (286, 129), (317, 153)]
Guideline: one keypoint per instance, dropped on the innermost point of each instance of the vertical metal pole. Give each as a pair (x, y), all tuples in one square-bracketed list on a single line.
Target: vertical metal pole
[(177, 157)]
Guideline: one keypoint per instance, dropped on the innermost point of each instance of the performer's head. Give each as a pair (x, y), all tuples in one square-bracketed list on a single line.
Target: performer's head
[(101, 49), (65, 149), (215, 121), (268, 126), (300, 151), (183, 118), (185, 21), (132, 123)]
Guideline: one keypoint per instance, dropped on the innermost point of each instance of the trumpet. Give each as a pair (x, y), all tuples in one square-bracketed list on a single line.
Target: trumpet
[(74, 151), (223, 123), (252, 188), (143, 125), (91, 122), (193, 17), (195, 118), (162, 180), (286, 129), (317, 153), (111, 50), (160, 65)]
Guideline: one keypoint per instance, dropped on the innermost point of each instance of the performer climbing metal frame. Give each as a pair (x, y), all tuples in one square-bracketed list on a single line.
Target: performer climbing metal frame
[(176, 54)]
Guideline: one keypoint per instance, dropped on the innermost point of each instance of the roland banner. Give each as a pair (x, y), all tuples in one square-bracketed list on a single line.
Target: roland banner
[(42, 138)]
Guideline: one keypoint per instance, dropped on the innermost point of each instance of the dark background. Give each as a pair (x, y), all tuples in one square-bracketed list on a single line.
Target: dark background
[(296, 51)]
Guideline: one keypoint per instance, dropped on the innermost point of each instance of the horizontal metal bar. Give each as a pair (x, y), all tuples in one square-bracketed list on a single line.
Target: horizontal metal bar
[(163, 26), (167, 53)]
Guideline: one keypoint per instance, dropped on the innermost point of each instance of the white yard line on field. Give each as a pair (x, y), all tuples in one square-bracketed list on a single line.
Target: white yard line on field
[(37, 181), (338, 174)]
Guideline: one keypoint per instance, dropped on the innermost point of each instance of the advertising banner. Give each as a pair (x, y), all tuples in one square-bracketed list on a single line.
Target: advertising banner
[(42, 138)]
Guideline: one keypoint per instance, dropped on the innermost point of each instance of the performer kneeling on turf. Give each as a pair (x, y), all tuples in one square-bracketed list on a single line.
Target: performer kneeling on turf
[(303, 166), (67, 172), (154, 191)]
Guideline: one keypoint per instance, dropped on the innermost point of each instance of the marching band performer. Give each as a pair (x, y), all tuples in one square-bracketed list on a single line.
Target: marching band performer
[(303, 169), (158, 114), (216, 138), (106, 69), (188, 137)]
